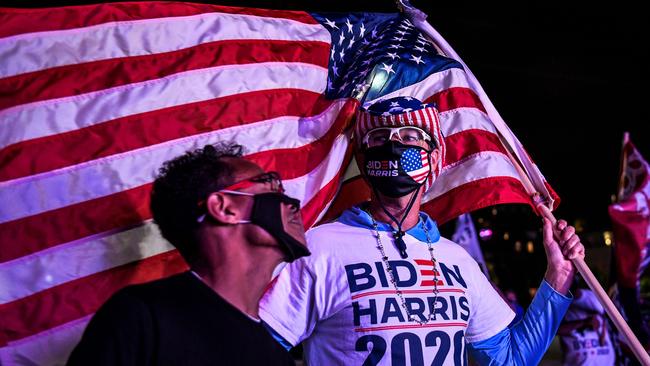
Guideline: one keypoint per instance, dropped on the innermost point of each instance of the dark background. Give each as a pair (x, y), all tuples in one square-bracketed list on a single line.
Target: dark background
[(567, 78)]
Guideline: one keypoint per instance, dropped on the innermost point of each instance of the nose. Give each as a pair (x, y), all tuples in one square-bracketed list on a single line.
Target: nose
[(394, 136)]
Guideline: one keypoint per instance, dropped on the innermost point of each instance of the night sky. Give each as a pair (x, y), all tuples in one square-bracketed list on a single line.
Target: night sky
[(567, 79), (568, 83)]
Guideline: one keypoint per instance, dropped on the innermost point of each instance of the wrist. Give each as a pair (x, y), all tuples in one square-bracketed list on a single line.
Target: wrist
[(559, 280)]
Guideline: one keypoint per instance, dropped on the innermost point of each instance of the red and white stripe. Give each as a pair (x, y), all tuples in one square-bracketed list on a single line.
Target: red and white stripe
[(94, 99)]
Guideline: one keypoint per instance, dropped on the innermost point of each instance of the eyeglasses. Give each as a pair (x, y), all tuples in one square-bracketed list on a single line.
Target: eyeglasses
[(408, 135), (272, 178)]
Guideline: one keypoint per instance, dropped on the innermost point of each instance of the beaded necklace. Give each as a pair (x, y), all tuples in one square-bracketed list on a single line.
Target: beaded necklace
[(389, 270)]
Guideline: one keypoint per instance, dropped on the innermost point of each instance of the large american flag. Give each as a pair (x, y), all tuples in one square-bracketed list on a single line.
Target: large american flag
[(93, 99)]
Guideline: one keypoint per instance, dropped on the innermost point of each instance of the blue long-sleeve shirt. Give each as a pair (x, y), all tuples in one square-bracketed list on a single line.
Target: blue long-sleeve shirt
[(525, 342)]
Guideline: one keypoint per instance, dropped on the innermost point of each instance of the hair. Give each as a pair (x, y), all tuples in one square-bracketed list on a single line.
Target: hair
[(182, 183)]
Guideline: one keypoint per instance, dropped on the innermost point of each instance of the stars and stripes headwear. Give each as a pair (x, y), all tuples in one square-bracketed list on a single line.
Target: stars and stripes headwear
[(402, 111)]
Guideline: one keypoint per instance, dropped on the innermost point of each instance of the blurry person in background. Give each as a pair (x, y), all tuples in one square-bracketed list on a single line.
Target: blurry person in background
[(584, 333)]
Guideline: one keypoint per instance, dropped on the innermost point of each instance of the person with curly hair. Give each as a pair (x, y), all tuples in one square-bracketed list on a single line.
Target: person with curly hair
[(233, 224)]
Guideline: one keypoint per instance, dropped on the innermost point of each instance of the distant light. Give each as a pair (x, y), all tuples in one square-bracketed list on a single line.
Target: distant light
[(579, 224), (517, 246), (506, 236), (494, 212), (607, 236), (480, 220), (485, 234), (530, 247)]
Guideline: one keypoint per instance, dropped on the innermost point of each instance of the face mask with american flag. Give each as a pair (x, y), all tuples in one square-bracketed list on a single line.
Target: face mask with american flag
[(396, 169)]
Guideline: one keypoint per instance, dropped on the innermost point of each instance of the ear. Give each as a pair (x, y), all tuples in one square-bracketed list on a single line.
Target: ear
[(222, 208), (435, 156)]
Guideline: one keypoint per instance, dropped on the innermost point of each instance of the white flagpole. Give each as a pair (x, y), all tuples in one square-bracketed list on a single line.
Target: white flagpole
[(621, 177), (530, 177)]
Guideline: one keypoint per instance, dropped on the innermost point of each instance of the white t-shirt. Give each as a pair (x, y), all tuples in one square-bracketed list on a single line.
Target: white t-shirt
[(583, 346), (341, 303)]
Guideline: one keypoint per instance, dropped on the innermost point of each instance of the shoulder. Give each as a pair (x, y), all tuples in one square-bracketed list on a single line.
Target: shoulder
[(121, 331), (329, 236), (452, 249), (150, 291), (335, 228)]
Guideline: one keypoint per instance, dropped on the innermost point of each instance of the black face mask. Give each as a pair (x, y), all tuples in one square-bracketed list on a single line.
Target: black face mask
[(396, 169), (267, 214)]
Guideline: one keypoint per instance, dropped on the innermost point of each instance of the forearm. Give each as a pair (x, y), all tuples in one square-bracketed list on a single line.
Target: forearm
[(526, 342)]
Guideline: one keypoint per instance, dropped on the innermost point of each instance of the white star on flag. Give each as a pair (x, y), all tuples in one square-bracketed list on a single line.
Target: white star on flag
[(363, 85), (341, 55), (417, 59), (396, 46), (393, 55), (421, 49), (394, 104), (388, 68), (347, 22), (331, 23), (362, 30), (351, 42)]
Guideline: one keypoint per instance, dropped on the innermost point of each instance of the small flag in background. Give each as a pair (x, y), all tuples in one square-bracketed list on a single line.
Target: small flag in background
[(631, 225), (465, 236), (631, 218)]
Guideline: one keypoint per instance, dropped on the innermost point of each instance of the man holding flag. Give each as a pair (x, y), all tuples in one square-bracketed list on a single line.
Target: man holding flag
[(383, 287)]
